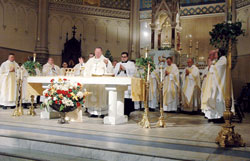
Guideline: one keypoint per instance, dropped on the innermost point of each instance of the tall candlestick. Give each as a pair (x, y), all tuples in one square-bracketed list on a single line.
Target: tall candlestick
[(190, 43), (197, 45), (34, 57)]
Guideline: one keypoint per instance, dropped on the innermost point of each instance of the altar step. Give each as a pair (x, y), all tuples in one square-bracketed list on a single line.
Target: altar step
[(20, 154)]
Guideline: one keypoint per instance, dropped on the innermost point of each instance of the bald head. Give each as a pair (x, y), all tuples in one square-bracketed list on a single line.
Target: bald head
[(211, 55), (190, 62)]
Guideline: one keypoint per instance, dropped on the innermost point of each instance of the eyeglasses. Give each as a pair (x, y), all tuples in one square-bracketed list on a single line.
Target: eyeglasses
[(124, 56)]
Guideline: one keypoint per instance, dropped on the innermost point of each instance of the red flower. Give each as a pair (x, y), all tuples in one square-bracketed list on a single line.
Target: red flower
[(60, 102), (65, 79), (68, 95), (78, 104), (59, 92), (70, 90), (46, 95), (52, 80), (56, 102), (49, 89), (78, 84)]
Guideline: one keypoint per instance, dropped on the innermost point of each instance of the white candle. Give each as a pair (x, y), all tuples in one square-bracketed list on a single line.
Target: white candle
[(148, 72), (197, 44), (161, 72), (34, 57), (146, 54)]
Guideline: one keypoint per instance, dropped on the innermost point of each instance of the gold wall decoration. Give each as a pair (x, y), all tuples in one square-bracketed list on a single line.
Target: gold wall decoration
[(92, 2)]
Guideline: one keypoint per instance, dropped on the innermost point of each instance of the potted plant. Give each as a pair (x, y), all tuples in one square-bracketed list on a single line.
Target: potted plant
[(222, 33), (64, 96), (31, 67), (142, 63)]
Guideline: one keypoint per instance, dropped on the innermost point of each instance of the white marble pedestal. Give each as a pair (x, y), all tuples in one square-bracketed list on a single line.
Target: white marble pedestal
[(116, 106), (49, 113)]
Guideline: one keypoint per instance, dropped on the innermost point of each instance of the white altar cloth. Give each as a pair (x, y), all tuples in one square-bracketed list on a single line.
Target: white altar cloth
[(114, 85)]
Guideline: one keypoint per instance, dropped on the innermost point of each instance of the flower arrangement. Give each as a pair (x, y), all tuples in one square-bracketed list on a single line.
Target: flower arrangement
[(65, 95)]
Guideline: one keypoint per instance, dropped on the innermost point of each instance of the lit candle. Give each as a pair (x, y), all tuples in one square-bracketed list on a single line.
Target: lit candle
[(34, 57)]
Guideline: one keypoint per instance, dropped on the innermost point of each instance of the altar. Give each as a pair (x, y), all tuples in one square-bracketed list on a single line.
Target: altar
[(116, 86)]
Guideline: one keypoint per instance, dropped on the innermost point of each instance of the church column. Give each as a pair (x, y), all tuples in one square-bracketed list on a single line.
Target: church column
[(134, 30), (41, 47)]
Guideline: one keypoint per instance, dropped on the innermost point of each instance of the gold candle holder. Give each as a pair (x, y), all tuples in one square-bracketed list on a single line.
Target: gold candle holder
[(227, 137), (161, 122), (145, 119), (32, 109)]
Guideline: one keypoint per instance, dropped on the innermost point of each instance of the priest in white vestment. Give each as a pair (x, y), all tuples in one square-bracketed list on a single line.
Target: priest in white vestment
[(126, 68), (190, 87), (8, 82), (63, 68), (153, 89), (97, 66), (80, 67), (213, 102), (50, 69), (171, 87)]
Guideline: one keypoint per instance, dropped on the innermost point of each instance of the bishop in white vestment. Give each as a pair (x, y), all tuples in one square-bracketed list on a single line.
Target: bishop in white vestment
[(50, 69), (171, 87), (8, 82), (190, 87), (213, 103), (97, 66), (80, 67)]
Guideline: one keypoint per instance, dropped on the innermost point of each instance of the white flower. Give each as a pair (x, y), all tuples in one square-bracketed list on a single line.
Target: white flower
[(49, 98), (45, 91), (54, 99), (80, 95), (69, 103)]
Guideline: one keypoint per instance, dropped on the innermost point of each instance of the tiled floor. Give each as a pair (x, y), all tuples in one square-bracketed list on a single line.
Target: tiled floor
[(187, 137)]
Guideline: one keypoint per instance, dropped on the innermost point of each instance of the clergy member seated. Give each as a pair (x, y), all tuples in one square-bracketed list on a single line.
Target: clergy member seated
[(190, 87), (171, 87), (97, 101), (50, 69), (213, 98), (126, 68), (79, 68), (8, 82)]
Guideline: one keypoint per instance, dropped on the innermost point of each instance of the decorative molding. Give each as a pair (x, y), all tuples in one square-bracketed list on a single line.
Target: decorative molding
[(242, 3), (90, 10), (145, 15), (203, 9)]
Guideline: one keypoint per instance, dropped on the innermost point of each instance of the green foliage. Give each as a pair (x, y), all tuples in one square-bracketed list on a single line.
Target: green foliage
[(223, 32), (143, 64), (30, 66), (108, 55)]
